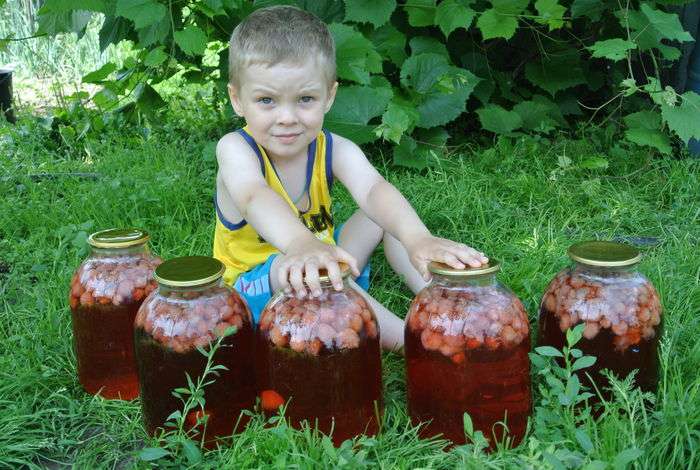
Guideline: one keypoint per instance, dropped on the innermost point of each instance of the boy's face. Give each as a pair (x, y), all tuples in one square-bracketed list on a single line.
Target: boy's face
[(283, 104)]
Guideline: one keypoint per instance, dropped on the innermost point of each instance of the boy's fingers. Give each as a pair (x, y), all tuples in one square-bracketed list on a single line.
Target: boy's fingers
[(311, 278), (348, 259), (283, 276), (451, 260), (334, 274), (296, 280)]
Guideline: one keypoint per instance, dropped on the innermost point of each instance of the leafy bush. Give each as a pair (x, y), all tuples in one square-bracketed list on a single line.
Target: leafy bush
[(422, 71)]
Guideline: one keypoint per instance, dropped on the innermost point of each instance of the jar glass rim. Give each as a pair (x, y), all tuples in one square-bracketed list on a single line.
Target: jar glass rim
[(601, 253), (443, 269), (189, 271)]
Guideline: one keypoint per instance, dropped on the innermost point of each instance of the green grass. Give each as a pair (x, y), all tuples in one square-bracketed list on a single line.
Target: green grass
[(513, 201)]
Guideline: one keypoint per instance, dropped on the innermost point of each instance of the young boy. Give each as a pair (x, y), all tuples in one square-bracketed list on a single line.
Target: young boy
[(274, 229)]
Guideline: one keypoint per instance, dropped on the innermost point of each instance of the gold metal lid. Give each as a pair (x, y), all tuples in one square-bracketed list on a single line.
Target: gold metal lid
[(118, 238), (491, 267), (604, 253), (189, 271), (344, 272)]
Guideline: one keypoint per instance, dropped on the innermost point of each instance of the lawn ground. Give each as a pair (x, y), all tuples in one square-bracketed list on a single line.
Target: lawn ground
[(519, 201)]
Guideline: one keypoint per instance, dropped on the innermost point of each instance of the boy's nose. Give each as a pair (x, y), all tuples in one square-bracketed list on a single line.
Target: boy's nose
[(286, 116)]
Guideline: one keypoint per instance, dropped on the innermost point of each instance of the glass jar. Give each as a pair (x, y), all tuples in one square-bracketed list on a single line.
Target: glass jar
[(193, 308), (619, 306), (106, 291), (467, 342), (321, 356)]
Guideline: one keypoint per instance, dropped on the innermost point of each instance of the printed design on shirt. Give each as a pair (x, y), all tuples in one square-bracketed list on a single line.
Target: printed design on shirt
[(318, 222)]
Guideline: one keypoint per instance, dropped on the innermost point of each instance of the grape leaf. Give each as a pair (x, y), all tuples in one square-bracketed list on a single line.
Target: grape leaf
[(589, 8), (496, 119), (141, 12), (453, 14), (358, 57), (192, 40), (425, 44), (556, 72), (683, 118), (390, 43), (354, 106), (63, 6), (613, 49), (376, 12), (438, 108), (667, 25), (420, 12), (422, 72), (493, 24), (551, 13), (399, 118)]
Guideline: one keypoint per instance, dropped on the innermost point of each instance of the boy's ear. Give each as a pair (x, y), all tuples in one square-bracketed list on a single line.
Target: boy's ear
[(331, 96), (235, 100)]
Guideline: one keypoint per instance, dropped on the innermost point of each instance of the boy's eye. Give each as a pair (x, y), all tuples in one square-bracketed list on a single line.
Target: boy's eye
[(306, 99), (265, 100)]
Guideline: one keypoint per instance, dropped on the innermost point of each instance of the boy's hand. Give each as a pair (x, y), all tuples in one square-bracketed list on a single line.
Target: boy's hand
[(299, 266), (457, 255)]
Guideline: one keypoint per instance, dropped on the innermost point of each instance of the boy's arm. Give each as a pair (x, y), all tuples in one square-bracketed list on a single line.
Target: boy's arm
[(271, 217), (386, 206)]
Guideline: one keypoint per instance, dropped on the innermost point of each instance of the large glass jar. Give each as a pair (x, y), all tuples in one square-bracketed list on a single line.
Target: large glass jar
[(192, 308), (619, 306), (467, 343), (321, 356), (106, 291)]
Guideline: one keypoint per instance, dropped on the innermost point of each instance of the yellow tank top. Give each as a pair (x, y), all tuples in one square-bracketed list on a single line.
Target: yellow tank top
[(239, 246)]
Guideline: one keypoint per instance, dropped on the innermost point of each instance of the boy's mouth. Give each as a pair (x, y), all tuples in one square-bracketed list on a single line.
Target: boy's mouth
[(287, 138)]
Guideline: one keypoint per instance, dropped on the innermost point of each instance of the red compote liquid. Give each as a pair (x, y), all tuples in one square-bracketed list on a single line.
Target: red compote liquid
[(322, 357), (467, 344), (618, 305), (106, 292), (192, 309)]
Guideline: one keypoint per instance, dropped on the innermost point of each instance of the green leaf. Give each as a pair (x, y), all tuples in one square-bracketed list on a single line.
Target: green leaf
[(589, 8), (148, 99), (100, 74), (667, 25), (155, 57), (354, 106), (66, 22), (405, 154), (556, 72), (192, 40), (422, 151), (63, 6), (627, 456), (539, 114), (4, 42), (551, 13), (141, 12), (191, 451), (359, 56), (155, 33), (493, 24), (548, 351), (646, 137), (114, 29), (376, 12), (329, 11), (399, 118), (510, 7), (423, 72), (453, 14), (644, 128), (425, 44), (574, 335), (390, 43), (593, 163), (420, 12), (496, 119), (573, 385), (440, 107), (585, 361), (583, 440), (613, 49), (150, 454), (683, 118)]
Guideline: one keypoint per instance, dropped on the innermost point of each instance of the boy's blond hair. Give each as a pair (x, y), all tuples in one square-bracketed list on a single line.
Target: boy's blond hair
[(280, 34)]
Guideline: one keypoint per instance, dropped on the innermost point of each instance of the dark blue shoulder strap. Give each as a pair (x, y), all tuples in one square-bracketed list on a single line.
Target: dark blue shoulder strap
[(329, 159), (249, 138)]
